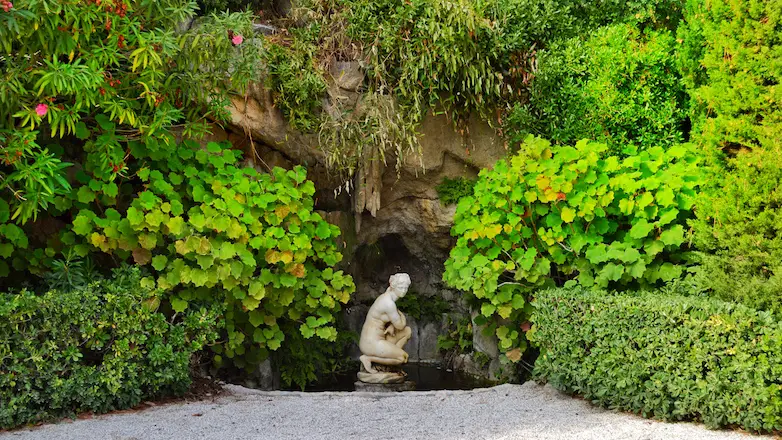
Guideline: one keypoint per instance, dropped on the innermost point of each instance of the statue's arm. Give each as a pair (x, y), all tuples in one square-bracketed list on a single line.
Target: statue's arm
[(397, 319)]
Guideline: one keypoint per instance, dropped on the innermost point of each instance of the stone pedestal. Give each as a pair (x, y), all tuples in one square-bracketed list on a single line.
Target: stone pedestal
[(385, 375), (407, 385)]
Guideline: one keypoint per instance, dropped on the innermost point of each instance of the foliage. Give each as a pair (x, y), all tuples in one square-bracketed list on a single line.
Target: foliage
[(458, 338), (297, 84), (731, 56), (421, 307), (552, 214), (673, 358), (98, 348), (215, 232), (71, 272), (460, 57), (208, 6), (739, 231), (304, 361), (450, 191), (82, 80), (617, 86)]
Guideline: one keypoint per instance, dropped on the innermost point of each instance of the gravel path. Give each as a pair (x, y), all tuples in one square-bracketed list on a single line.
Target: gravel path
[(528, 412)]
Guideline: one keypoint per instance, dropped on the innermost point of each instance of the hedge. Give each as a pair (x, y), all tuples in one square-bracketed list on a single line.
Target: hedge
[(668, 357), (98, 348)]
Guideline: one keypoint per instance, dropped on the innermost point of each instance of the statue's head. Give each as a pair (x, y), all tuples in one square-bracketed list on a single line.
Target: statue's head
[(400, 282)]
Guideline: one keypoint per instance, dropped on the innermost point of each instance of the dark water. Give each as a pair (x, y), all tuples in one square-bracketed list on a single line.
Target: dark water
[(426, 377)]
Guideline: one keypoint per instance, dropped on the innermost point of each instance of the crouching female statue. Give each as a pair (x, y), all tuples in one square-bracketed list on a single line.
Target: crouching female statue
[(384, 334)]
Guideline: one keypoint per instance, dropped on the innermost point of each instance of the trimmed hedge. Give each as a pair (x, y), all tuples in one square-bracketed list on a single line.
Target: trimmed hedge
[(672, 358), (98, 348)]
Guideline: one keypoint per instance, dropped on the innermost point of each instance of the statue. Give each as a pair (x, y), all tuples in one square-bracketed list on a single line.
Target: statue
[(384, 334)]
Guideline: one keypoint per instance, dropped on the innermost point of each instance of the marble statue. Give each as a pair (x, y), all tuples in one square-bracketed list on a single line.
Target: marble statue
[(384, 335)]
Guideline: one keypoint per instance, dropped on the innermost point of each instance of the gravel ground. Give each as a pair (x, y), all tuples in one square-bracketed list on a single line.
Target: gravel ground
[(528, 412)]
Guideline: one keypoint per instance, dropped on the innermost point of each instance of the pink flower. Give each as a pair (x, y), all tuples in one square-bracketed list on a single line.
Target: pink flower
[(237, 39), (41, 109)]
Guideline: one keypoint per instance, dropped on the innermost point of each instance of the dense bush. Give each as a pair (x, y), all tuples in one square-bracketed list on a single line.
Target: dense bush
[(216, 232), (553, 214), (731, 55), (98, 348), (673, 358), (617, 86), (81, 80), (739, 231), (450, 191)]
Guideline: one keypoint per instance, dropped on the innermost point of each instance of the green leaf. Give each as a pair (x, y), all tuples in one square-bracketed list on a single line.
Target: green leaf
[(85, 195), (641, 229), (159, 262), (673, 236), (179, 305), (81, 132), (568, 214), (612, 271)]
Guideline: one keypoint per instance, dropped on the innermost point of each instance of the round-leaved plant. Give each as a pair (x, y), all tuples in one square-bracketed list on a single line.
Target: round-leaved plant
[(558, 215), (211, 230)]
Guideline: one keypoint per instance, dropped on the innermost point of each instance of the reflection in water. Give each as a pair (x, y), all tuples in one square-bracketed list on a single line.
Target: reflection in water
[(427, 377)]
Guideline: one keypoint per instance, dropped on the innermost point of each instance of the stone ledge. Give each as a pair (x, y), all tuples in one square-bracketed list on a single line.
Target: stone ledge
[(385, 387)]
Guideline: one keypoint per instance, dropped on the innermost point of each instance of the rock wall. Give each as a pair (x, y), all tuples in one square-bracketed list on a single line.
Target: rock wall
[(408, 228)]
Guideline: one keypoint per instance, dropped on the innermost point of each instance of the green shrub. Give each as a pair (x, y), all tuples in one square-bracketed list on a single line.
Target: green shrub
[(98, 348), (450, 191), (81, 79), (214, 232), (673, 358), (731, 56), (553, 214), (617, 86), (458, 338), (207, 6), (296, 83), (739, 231), (421, 307)]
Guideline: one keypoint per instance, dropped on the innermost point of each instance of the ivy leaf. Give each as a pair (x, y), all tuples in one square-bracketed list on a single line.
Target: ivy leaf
[(179, 305), (85, 195), (612, 271), (111, 189), (488, 309), (568, 214), (528, 260), (257, 290), (641, 229), (665, 197), (159, 262), (673, 236), (141, 256), (82, 225), (323, 231)]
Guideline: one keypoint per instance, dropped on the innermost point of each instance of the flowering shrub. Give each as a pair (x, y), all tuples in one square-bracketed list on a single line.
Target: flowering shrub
[(82, 79)]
